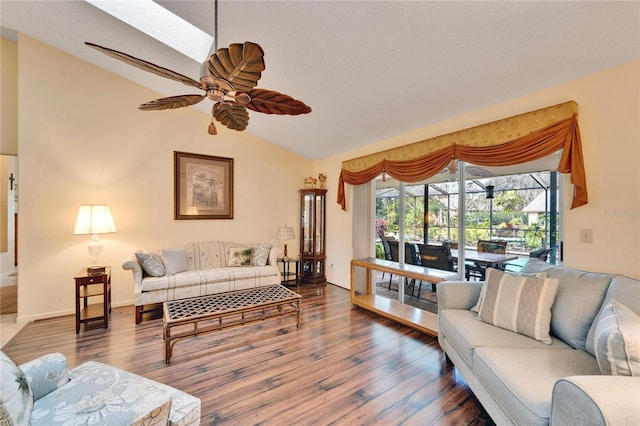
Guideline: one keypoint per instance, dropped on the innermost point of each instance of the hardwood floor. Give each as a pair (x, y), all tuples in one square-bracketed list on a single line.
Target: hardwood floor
[(343, 366)]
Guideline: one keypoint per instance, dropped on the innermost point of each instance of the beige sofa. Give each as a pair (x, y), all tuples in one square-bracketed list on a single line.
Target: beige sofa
[(524, 381), (198, 269)]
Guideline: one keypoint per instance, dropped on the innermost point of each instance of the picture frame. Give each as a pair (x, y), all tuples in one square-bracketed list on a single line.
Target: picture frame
[(203, 186)]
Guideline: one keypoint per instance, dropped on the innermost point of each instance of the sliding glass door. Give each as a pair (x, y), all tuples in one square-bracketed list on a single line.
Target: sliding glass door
[(517, 206)]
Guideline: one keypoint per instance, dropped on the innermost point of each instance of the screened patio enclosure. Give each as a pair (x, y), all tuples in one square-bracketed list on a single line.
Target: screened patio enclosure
[(499, 206)]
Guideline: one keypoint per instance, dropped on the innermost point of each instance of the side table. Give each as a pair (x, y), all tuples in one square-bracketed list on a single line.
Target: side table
[(286, 270), (93, 285)]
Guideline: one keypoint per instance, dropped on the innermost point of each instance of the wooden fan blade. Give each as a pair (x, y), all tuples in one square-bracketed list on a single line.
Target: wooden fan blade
[(272, 102), (146, 66), (240, 64), (171, 102), (232, 115)]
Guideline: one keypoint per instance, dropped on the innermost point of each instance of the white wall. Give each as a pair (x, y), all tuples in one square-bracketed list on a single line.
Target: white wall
[(8, 208), (82, 140), (8, 97), (609, 105)]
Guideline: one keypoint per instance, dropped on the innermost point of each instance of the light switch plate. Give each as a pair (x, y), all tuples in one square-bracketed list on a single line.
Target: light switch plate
[(586, 235)]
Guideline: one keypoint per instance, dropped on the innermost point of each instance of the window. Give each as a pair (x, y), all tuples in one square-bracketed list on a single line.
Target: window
[(517, 205)]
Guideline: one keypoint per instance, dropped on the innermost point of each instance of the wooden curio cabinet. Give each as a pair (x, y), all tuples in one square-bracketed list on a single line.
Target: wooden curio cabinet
[(312, 235)]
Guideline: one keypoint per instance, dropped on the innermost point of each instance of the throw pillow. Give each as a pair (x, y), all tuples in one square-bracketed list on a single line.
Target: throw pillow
[(15, 393), (519, 304), (540, 275), (240, 256), (261, 254), (617, 340), (151, 263), (175, 260)]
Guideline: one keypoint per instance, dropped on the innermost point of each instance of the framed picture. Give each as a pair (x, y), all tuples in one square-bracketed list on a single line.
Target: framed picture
[(203, 186)]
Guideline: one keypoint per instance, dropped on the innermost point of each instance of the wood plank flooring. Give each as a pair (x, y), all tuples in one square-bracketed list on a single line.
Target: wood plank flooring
[(343, 366)]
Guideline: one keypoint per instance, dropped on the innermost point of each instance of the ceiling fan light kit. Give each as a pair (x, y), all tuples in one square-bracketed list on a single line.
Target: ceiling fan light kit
[(229, 78)]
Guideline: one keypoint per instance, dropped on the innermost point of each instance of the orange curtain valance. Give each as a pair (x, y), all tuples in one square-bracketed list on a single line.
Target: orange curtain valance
[(563, 135)]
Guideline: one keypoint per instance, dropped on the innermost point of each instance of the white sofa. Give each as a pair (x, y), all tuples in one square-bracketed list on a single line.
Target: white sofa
[(521, 380), (204, 270)]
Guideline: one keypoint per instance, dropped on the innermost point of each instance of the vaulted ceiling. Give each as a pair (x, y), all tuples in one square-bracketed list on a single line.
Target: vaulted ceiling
[(369, 69)]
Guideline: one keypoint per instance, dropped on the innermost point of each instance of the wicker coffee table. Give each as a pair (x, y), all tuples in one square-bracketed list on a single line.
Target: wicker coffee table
[(205, 314)]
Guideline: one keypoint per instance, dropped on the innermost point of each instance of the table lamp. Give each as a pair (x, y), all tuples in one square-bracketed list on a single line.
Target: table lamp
[(286, 233), (94, 219)]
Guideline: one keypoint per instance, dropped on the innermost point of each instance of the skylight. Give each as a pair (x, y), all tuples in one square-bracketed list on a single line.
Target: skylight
[(159, 23)]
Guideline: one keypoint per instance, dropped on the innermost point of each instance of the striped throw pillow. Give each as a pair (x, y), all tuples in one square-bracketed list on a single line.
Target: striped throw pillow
[(617, 340), (519, 304)]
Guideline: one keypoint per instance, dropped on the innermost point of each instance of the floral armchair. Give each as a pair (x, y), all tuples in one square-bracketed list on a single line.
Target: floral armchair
[(45, 392)]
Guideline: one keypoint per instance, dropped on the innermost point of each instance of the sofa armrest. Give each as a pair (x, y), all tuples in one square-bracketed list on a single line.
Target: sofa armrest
[(131, 262), (591, 400), (458, 294), (46, 374), (273, 256)]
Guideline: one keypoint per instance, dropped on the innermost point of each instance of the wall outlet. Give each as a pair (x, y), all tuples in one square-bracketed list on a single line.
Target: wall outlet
[(586, 235)]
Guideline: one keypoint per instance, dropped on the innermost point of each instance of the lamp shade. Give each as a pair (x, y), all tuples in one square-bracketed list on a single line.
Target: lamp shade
[(94, 219), (286, 233)]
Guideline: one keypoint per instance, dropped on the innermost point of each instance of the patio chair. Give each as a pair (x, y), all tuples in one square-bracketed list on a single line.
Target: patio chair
[(515, 266), (435, 256), (410, 256)]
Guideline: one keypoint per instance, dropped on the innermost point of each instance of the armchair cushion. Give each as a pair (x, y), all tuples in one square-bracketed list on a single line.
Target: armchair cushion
[(15, 395), (46, 374), (101, 394)]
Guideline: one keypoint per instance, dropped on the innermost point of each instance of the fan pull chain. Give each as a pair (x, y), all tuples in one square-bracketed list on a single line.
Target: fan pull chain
[(212, 128)]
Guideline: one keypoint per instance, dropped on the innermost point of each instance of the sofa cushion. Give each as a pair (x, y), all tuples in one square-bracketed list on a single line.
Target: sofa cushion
[(617, 340), (151, 263), (580, 295), (521, 304), (465, 333), (175, 260), (201, 277), (240, 256), (476, 307), (624, 289), (15, 393), (521, 379), (260, 256)]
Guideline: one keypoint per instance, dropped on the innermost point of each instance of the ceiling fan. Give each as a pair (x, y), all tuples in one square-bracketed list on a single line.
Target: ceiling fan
[(230, 77)]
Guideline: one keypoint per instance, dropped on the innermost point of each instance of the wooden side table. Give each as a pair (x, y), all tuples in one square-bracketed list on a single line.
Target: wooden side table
[(93, 285), (286, 270)]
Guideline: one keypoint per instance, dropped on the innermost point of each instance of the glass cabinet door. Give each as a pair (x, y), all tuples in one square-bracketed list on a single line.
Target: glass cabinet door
[(308, 213), (320, 226)]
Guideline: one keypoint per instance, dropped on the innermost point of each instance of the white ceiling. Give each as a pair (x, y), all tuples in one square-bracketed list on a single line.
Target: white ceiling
[(369, 69)]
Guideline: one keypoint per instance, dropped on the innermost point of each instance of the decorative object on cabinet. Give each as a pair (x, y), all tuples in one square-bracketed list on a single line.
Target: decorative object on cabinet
[(286, 233), (312, 235), (322, 178), (203, 186), (94, 219), (310, 182)]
